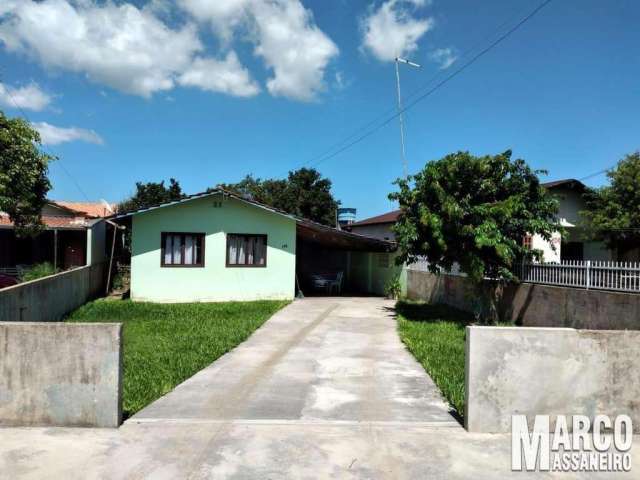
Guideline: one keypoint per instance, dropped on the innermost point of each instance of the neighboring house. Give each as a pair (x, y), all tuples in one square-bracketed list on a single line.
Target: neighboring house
[(573, 246), (72, 237), (217, 246), (378, 226)]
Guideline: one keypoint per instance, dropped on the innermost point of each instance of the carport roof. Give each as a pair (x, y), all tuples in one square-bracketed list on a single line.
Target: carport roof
[(306, 229), (340, 239)]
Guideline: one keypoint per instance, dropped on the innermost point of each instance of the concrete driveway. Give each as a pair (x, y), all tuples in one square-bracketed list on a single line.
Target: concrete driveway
[(320, 360), (324, 389)]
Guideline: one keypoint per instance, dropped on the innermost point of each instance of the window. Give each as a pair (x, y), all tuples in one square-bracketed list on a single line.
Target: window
[(383, 260), (527, 242), (246, 250), (182, 250)]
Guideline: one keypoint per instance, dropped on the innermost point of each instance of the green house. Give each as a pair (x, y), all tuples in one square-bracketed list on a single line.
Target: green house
[(217, 246)]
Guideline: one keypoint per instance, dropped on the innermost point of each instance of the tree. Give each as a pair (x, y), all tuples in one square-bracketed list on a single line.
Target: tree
[(473, 211), (152, 193), (613, 211), (23, 174), (305, 193)]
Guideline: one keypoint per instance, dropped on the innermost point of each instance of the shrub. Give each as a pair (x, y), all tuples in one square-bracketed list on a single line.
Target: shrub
[(393, 288), (39, 270)]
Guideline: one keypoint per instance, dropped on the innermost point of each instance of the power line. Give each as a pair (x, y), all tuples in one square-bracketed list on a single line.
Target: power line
[(500, 39), (413, 93), (440, 84), (596, 173), (24, 115)]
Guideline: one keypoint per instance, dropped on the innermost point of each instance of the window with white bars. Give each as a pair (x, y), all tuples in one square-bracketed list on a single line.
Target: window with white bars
[(182, 249), (246, 250)]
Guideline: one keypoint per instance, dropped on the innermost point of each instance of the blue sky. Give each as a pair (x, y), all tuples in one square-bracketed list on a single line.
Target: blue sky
[(151, 90)]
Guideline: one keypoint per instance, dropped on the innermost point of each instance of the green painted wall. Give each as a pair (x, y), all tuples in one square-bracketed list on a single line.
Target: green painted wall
[(369, 274), (215, 281)]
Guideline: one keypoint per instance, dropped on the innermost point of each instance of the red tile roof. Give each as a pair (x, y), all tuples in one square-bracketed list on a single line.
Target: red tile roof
[(389, 217), (91, 209), (51, 221)]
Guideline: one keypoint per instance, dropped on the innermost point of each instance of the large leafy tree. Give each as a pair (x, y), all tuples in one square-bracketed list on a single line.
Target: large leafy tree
[(304, 193), (473, 211), (152, 193), (23, 174), (613, 211)]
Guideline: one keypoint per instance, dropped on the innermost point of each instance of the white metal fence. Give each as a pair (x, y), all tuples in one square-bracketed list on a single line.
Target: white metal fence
[(601, 275), (589, 274)]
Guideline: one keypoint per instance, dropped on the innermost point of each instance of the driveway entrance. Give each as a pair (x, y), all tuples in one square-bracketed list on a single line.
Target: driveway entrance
[(318, 360), (323, 390)]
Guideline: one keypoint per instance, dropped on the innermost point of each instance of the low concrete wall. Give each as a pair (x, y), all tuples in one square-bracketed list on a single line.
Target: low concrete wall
[(535, 305), (60, 374), (49, 299), (549, 371)]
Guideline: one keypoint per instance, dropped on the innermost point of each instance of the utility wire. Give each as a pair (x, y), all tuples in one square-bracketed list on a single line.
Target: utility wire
[(439, 85), (24, 115), (597, 173), (413, 93)]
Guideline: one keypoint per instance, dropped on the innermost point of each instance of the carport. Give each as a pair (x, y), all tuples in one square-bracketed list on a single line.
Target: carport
[(366, 263)]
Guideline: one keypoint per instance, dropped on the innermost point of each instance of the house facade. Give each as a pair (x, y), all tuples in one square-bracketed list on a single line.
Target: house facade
[(212, 249), (71, 237), (378, 226), (575, 244), (217, 246)]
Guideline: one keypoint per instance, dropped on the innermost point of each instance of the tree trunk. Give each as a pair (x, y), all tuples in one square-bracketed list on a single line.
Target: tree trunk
[(487, 295)]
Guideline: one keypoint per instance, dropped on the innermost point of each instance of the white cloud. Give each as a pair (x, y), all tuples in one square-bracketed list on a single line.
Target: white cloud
[(52, 135), (294, 47), (117, 45), (223, 15), (444, 57), (29, 97), (134, 50), (224, 76), (284, 35), (392, 31)]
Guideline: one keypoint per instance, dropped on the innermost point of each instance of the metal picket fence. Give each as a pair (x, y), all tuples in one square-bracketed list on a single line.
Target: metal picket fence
[(589, 274)]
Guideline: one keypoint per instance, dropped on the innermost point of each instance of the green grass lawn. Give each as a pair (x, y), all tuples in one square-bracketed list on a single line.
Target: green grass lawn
[(164, 344), (435, 335)]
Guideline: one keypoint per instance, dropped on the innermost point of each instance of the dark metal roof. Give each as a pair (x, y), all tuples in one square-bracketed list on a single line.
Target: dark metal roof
[(389, 217), (341, 239), (571, 183), (305, 228)]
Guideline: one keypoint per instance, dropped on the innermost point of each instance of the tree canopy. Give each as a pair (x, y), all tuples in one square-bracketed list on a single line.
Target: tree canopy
[(613, 211), (304, 193), (152, 193), (473, 211), (23, 174)]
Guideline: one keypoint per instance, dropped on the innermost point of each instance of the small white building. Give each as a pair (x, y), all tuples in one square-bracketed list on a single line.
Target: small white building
[(575, 245)]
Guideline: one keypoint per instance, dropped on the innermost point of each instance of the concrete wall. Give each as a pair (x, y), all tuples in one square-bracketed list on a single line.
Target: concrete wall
[(551, 251), (570, 204), (535, 305), (60, 374), (96, 241), (215, 281), (48, 299), (549, 371), (381, 231)]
